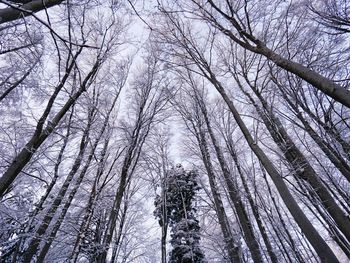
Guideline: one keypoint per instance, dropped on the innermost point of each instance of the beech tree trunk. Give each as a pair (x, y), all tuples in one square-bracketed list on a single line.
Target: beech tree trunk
[(247, 227), (253, 205), (40, 134), (246, 40), (298, 161), (43, 226), (232, 249), (13, 12)]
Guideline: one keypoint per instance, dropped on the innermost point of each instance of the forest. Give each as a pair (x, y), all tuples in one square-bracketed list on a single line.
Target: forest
[(175, 131)]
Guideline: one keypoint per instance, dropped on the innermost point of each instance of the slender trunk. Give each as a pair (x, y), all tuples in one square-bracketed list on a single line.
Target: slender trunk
[(84, 225), (116, 206), (232, 249), (328, 150), (35, 242), (70, 198), (289, 239), (39, 206), (138, 136), (247, 227), (298, 162), (120, 191), (40, 135), (120, 232), (324, 252), (254, 207)]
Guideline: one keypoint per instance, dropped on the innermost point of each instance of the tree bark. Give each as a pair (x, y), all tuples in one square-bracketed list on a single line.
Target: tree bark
[(251, 43), (298, 161), (232, 248), (244, 220), (40, 135), (35, 241), (13, 12), (325, 254), (253, 205)]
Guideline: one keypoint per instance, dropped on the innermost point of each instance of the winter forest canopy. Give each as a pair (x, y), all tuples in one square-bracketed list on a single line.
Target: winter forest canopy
[(175, 131)]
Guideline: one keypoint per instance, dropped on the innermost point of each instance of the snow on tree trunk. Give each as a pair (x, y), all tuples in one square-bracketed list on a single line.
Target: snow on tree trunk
[(180, 187)]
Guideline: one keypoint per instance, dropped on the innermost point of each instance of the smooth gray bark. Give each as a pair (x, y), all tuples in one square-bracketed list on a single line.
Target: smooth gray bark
[(13, 12)]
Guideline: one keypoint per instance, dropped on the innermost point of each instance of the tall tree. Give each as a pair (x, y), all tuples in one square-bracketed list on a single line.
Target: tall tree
[(177, 34), (180, 187)]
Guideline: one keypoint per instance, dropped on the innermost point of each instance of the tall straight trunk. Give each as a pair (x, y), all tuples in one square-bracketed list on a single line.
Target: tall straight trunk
[(276, 232), (133, 154), (233, 250), (115, 209), (125, 173), (322, 249), (120, 232), (289, 238), (89, 209), (253, 205), (69, 200), (100, 170), (247, 226), (84, 224), (141, 129), (332, 229), (298, 162), (39, 206), (35, 241), (40, 134), (81, 176)]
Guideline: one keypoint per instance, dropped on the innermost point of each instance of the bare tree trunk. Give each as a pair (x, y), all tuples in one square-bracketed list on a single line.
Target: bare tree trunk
[(289, 238), (81, 176), (35, 241), (247, 227), (14, 12), (333, 156), (40, 134), (324, 252), (332, 229), (297, 160), (148, 106), (89, 210), (132, 151), (232, 249), (69, 200), (195, 56), (120, 231), (39, 206), (253, 205)]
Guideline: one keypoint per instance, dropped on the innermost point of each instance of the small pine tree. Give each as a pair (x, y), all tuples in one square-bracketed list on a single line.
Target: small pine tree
[(180, 188)]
